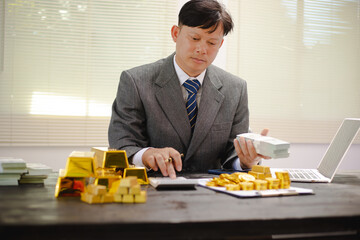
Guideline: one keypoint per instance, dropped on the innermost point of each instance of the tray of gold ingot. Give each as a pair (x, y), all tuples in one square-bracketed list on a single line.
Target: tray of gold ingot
[(241, 184)]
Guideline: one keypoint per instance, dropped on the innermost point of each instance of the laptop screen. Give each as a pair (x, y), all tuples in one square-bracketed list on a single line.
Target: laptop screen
[(339, 146)]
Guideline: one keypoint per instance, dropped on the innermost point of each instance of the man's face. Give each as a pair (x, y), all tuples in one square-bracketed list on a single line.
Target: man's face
[(196, 48)]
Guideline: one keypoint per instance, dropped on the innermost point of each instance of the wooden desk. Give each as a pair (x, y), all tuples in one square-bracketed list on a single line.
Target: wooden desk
[(32, 212)]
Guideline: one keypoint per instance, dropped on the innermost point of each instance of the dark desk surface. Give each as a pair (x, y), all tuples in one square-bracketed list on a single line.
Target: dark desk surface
[(32, 212)]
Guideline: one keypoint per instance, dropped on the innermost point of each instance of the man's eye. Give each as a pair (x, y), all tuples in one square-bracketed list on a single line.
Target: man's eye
[(195, 39), (211, 43)]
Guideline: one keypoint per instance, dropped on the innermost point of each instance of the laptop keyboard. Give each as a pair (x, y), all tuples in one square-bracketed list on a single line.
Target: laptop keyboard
[(302, 174)]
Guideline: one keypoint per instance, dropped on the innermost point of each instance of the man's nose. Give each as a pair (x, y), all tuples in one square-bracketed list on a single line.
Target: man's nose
[(201, 48)]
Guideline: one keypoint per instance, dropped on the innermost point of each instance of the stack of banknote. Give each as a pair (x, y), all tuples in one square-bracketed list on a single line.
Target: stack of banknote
[(267, 146)]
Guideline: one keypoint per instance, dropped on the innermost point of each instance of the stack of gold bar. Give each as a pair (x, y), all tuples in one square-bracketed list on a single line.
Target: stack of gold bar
[(96, 194), (128, 190), (273, 183), (260, 184), (87, 174), (107, 159), (260, 172), (259, 178), (284, 178)]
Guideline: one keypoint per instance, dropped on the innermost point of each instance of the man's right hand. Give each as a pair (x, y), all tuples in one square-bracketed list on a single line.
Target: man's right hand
[(156, 158)]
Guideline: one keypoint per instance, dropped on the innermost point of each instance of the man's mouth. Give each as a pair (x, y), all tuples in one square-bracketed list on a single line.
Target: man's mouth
[(198, 60)]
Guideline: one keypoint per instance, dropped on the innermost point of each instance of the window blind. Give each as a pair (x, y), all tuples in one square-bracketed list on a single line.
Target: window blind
[(62, 61), (301, 62), (62, 65)]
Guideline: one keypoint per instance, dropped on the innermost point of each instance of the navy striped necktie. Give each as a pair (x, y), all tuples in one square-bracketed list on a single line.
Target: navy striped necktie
[(192, 86)]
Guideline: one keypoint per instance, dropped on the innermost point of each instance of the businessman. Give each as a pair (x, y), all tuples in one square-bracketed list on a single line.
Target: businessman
[(183, 104)]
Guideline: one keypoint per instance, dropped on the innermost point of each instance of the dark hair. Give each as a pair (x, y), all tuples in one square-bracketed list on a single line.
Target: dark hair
[(205, 14)]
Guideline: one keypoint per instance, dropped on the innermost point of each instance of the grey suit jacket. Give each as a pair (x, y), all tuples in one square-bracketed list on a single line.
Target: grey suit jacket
[(149, 111)]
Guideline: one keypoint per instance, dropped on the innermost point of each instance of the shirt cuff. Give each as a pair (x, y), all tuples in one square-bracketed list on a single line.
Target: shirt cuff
[(137, 159), (236, 164)]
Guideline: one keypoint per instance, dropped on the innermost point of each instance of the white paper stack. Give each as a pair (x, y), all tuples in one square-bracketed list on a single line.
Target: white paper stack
[(267, 146), (36, 173), (11, 170), (38, 169)]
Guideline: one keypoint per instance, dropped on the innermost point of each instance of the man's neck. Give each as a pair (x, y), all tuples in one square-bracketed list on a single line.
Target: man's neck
[(183, 76)]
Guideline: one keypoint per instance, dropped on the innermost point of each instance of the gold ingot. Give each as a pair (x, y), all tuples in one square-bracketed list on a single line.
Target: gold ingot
[(283, 175), (221, 182), (118, 198), (236, 175), (232, 187), (211, 184), (247, 178), (107, 181), (122, 190), (247, 186), (118, 189), (218, 181), (83, 196), (106, 177), (107, 198), (273, 183), (90, 198), (128, 182), (257, 175), (96, 189), (260, 184), (224, 176), (234, 178), (114, 187), (110, 158), (262, 169), (69, 187), (135, 189), (127, 198), (107, 172), (140, 198), (139, 172), (284, 178), (80, 164), (58, 187)]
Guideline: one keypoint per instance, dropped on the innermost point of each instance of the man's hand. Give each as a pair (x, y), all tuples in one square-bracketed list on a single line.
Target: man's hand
[(247, 153), (156, 158)]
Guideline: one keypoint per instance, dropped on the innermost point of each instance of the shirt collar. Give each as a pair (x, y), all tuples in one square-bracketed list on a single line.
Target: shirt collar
[(183, 76)]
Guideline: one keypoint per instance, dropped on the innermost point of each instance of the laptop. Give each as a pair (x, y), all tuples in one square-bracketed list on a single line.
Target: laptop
[(332, 158)]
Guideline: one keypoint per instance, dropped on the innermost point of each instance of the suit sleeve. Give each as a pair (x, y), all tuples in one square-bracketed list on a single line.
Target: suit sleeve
[(240, 125), (127, 129)]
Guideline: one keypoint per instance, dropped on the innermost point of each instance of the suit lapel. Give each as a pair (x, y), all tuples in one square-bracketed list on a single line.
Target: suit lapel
[(211, 101), (170, 99)]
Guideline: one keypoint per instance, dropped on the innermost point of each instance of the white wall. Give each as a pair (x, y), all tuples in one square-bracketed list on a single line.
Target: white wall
[(302, 156)]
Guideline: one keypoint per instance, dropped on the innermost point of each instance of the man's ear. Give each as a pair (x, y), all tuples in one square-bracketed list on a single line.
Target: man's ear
[(175, 30)]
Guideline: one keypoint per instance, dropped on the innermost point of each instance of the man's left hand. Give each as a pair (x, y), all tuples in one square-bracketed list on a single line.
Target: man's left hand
[(247, 153)]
